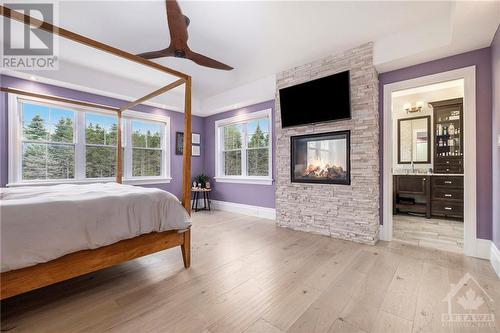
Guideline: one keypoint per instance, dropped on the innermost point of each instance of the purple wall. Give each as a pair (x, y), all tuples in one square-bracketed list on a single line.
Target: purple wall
[(264, 195), (482, 60), (257, 195), (495, 64), (176, 120)]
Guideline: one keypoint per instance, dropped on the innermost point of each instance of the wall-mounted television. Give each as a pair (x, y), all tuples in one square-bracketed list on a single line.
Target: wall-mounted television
[(324, 99)]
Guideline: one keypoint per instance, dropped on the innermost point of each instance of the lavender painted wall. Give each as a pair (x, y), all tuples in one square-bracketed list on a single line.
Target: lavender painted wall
[(495, 65), (264, 195), (482, 60), (176, 124), (258, 195)]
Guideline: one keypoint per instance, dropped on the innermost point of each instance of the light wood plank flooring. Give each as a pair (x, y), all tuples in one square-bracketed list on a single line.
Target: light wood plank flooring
[(443, 234), (249, 276)]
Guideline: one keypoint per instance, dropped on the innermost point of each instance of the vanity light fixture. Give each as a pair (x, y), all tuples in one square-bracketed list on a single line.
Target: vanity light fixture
[(411, 109)]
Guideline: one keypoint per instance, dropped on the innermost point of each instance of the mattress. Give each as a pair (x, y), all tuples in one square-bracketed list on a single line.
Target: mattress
[(42, 223)]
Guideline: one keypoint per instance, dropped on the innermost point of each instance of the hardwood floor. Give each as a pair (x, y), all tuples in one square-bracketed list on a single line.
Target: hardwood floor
[(249, 276), (443, 234)]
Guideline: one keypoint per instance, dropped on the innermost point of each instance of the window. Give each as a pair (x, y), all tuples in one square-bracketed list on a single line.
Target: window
[(53, 142), (100, 145), (146, 149), (244, 149), (48, 143)]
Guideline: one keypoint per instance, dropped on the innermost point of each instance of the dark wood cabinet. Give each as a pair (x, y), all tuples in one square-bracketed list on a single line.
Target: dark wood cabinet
[(448, 181), (441, 193), (411, 194), (448, 136), (447, 197), (429, 194)]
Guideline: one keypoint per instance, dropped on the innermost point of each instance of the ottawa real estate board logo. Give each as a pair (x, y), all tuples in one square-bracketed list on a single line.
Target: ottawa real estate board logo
[(469, 305), (28, 46)]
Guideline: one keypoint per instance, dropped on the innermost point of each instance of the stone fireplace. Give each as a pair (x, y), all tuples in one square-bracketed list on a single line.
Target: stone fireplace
[(316, 197), (321, 158)]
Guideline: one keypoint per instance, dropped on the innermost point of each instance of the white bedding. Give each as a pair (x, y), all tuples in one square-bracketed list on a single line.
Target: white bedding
[(41, 223)]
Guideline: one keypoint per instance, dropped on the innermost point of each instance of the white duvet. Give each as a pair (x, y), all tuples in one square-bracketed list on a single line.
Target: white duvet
[(41, 223)]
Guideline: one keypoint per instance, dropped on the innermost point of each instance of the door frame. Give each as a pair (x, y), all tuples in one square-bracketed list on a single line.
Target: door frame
[(468, 74)]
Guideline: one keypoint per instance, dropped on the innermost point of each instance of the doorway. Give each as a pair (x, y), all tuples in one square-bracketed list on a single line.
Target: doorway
[(427, 166), (427, 216)]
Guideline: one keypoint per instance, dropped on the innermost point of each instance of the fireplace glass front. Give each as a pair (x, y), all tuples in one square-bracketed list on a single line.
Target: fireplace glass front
[(321, 158)]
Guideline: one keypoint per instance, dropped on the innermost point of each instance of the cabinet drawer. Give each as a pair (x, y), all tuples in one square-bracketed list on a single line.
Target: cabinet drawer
[(452, 194), (447, 208), (448, 181), (412, 184), (445, 168), (448, 160)]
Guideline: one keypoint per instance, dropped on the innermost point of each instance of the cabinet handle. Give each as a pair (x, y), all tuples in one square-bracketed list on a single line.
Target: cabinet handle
[(447, 169), (447, 181), (447, 208), (448, 195)]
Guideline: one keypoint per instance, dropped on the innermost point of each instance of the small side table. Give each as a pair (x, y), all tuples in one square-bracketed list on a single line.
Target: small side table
[(206, 198)]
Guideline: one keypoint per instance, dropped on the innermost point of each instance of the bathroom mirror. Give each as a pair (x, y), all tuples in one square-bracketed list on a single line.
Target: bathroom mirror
[(413, 140)]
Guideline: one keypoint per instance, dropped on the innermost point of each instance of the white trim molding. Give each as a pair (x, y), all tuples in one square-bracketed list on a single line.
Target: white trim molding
[(15, 141), (495, 258), (468, 75), (243, 118), (483, 248), (245, 180), (258, 211)]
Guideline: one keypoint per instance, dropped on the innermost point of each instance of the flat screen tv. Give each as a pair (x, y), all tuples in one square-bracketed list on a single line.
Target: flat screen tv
[(320, 100)]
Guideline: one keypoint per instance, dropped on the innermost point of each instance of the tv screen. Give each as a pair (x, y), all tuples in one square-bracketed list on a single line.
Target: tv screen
[(320, 100)]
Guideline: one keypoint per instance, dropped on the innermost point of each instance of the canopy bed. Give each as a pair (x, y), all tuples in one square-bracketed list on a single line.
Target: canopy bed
[(134, 226)]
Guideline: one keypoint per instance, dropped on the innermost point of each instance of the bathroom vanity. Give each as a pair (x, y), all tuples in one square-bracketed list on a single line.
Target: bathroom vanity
[(439, 195)]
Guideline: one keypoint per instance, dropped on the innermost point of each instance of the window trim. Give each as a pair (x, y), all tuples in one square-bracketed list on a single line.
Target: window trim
[(15, 141), (219, 124)]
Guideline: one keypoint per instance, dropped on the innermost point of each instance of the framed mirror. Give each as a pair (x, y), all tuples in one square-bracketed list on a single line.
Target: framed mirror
[(414, 140)]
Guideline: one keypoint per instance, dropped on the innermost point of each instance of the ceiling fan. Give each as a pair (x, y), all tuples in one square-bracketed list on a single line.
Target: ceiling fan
[(177, 24)]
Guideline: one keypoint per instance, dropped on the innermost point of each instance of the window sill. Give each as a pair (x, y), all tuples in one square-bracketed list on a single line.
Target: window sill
[(245, 180), (130, 181), (147, 181)]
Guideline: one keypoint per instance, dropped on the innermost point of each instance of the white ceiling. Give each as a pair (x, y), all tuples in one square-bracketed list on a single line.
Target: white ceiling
[(259, 39)]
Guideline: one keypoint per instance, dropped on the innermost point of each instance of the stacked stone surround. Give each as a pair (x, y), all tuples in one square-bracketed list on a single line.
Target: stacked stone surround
[(348, 212)]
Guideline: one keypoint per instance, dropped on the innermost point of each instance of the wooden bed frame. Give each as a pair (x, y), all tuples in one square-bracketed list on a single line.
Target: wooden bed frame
[(19, 281)]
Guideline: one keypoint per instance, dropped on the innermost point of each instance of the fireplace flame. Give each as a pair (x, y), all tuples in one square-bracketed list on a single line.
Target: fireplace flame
[(321, 169)]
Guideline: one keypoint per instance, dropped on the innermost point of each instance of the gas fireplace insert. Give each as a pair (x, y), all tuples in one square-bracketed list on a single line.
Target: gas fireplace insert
[(322, 158)]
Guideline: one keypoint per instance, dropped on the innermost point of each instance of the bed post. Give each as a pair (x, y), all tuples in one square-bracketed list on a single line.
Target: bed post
[(186, 172), (119, 164), (186, 158)]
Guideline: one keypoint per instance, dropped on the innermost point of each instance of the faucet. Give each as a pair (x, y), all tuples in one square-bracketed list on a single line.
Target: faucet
[(412, 166)]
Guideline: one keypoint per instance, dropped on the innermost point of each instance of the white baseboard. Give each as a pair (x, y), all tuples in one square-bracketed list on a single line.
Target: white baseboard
[(495, 258), (263, 212), (381, 234), (483, 248)]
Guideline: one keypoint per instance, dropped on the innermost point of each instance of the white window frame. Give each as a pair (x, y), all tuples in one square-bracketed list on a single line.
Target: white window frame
[(15, 144), (219, 165)]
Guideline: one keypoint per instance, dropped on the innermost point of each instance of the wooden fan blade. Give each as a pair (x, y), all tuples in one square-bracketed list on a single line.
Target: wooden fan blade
[(202, 60), (168, 52), (177, 25)]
